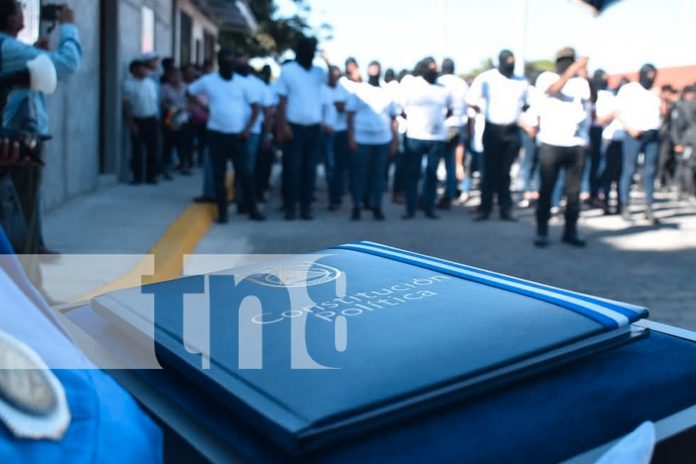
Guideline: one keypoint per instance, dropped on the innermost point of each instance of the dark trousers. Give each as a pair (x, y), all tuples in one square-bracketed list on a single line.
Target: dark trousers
[(341, 154), (182, 141), (264, 167), (551, 160), (685, 173), (613, 160), (367, 175), (501, 145), (145, 148), (27, 183), (300, 157), (592, 181), (415, 150), (225, 147), (400, 169), (647, 143)]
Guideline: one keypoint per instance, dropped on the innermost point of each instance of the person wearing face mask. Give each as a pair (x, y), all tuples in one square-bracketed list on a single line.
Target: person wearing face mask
[(372, 138), (563, 136), (639, 111), (234, 108), (335, 136), (504, 96), (426, 105), (300, 114)]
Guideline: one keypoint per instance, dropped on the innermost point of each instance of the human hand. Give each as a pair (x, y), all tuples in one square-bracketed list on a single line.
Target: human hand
[(66, 15), (42, 44), (9, 154), (352, 144)]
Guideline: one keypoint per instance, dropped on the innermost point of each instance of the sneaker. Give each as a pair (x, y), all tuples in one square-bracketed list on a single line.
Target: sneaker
[(626, 215), (650, 215)]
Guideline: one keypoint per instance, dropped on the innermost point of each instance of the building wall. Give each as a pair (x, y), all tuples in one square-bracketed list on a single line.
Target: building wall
[(72, 156)]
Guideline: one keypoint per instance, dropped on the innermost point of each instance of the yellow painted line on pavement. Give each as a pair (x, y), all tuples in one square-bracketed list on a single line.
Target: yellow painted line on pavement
[(181, 238)]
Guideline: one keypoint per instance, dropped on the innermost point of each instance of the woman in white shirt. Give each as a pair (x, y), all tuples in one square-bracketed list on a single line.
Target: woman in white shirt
[(372, 137)]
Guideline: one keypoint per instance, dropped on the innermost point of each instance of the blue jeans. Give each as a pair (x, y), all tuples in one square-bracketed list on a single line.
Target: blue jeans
[(300, 157), (649, 144), (529, 166), (415, 150), (594, 164), (368, 174), (450, 155)]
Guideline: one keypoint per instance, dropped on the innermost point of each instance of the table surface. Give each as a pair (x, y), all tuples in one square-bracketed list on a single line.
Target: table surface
[(474, 425)]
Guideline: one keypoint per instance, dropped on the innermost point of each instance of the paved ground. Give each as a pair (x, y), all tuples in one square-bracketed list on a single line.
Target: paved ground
[(652, 266), (642, 264)]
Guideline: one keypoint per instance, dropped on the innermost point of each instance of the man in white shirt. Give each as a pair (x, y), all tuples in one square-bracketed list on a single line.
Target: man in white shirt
[(300, 88), (372, 136), (141, 108), (263, 94), (336, 155), (612, 145), (426, 105), (639, 111), (564, 98), (456, 130), (234, 108), (505, 96)]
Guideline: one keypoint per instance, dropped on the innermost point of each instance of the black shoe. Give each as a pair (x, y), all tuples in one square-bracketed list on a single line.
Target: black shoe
[(256, 216), (290, 216), (223, 219), (507, 217), (185, 172), (431, 215), (333, 207), (204, 199), (167, 176), (445, 204), (482, 217), (306, 216), (378, 215), (152, 182), (408, 216), (573, 240), (355, 215), (241, 210), (135, 182), (541, 241)]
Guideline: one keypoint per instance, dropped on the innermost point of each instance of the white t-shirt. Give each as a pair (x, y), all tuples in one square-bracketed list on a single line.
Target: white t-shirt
[(458, 88), (564, 119), (505, 97), (229, 102), (426, 106), (605, 106), (263, 94), (638, 107), (303, 89), (142, 96), (374, 111)]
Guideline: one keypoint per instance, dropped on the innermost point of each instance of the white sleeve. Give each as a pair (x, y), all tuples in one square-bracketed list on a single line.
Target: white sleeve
[(198, 87), (475, 93), (546, 80)]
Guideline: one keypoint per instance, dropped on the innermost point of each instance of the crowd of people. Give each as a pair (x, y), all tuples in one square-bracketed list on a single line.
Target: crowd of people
[(577, 140)]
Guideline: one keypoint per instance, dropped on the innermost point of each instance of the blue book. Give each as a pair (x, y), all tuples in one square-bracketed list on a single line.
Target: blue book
[(311, 350)]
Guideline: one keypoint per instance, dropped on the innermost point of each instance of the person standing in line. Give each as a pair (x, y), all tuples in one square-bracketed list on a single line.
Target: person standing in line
[(373, 137), (505, 96), (612, 146), (142, 115), (426, 105), (261, 93), (337, 155), (177, 123), (639, 111), (685, 145), (666, 169), (563, 136), (266, 155), (300, 88), (456, 131), (234, 109), (594, 164)]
